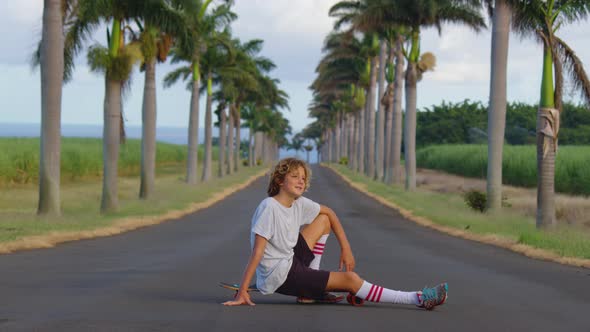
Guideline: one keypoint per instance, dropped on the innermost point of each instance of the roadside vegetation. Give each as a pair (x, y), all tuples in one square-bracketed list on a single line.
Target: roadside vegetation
[(519, 165), (21, 227), (507, 228)]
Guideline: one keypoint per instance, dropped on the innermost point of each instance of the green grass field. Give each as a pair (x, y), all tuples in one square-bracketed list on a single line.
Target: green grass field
[(519, 167), (82, 158), (450, 210), (81, 186)]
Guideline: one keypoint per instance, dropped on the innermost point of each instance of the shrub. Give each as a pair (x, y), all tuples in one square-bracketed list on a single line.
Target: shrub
[(343, 161), (476, 200)]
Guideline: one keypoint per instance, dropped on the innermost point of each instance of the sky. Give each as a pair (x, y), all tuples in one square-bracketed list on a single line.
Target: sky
[(293, 32)]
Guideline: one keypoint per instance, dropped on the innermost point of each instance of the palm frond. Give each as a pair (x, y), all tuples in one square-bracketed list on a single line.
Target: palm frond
[(574, 67), (179, 73)]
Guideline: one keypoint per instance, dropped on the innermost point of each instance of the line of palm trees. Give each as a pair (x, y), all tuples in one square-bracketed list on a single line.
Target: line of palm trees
[(193, 33), (371, 42)]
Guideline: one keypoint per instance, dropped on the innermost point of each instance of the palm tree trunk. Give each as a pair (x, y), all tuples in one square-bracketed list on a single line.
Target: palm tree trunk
[(396, 168), (222, 137), (371, 120), (52, 72), (193, 129), (251, 147), (208, 131), (387, 176), (352, 161), (361, 142), (238, 125), (380, 127), (547, 128), (337, 138), (497, 111), (148, 132), (230, 140), (410, 127), (111, 141), (343, 134), (330, 149), (258, 136)]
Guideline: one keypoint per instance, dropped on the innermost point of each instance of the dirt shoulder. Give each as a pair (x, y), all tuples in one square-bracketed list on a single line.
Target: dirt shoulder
[(573, 210)]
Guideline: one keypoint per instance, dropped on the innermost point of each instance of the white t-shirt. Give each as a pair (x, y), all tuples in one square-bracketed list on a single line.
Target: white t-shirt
[(280, 226)]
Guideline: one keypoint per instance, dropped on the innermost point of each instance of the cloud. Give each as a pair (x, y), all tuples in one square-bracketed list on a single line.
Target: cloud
[(24, 11), (460, 72)]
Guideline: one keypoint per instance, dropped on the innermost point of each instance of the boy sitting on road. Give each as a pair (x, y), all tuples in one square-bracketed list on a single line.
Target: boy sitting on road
[(286, 259)]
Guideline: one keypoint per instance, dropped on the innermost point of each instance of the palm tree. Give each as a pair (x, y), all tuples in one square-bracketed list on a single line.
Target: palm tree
[(542, 20), (216, 61), (393, 101), (497, 108), (115, 62), (155, 39), (222, 124), (259, 90), (297, 143), (416, 14), (52, 72), (380, 147), (342, 78), (200, 26)]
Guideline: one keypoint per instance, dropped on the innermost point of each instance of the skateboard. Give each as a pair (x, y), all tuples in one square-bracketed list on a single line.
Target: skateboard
[(355, 301), (351, 299), (236, 287)]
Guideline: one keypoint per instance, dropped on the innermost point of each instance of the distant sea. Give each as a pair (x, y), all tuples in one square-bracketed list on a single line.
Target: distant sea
[(174, 135)]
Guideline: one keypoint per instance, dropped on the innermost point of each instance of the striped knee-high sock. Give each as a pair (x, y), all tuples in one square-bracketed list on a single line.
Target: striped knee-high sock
[(374, 293), (318, 251)]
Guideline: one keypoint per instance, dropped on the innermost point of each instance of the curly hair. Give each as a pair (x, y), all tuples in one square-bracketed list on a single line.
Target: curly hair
[(284, 167)]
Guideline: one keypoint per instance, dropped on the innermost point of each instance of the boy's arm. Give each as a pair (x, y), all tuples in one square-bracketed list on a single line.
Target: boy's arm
[(243, 297), (346, 256)]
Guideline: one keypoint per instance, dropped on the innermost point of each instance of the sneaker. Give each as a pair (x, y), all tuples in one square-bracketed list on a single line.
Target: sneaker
[(431, 297), (326, 298)]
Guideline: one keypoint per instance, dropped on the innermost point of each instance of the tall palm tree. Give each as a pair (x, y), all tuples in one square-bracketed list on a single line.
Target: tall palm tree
[(222, 124), (248, 58), (380, 146), (201, 24), (497, 108), (52, 72), (155, 37), (542, 20), (343, 65), (217, 60), (115, 62), (297, 143), (417, 14)]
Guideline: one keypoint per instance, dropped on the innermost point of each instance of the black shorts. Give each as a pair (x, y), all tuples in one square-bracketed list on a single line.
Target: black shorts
[(302, 280)]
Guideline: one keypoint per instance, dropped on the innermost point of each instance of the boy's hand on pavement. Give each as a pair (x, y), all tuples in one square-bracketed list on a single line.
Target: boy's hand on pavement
[(242, 298)]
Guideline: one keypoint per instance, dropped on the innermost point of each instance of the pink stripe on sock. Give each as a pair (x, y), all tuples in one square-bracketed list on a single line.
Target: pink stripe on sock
[(374, 297), (370, 292), (320, 244), (380, 293), (317, 252)]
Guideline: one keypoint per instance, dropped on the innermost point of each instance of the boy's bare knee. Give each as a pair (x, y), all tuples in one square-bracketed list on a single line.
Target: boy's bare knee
[(354, 282), (353, 276), (324, 221)]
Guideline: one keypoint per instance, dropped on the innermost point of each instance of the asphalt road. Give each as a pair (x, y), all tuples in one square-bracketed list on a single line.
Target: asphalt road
[(164, 278)]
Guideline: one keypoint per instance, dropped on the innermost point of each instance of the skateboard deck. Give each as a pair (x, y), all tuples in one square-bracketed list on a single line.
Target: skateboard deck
[(236, 287), (351, 299)]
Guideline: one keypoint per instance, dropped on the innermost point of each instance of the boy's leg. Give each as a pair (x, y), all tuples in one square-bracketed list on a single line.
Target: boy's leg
[(351, 282), (315, 235), (319, 226)]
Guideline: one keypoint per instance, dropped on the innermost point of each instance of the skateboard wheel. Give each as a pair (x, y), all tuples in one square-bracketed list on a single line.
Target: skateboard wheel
[(354, 300)]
